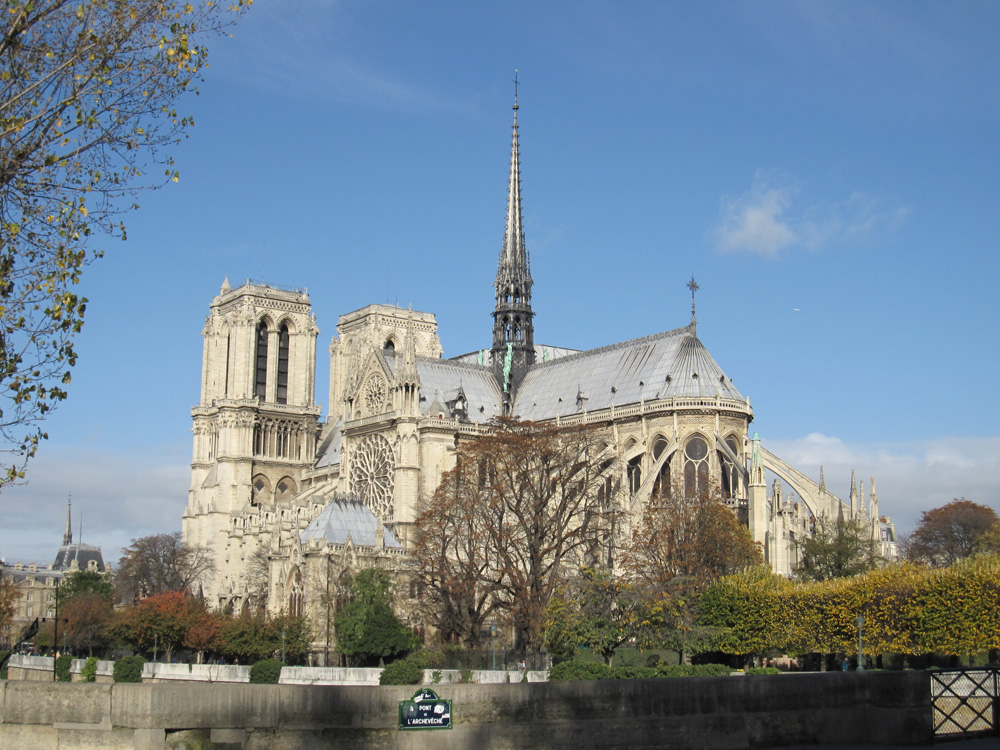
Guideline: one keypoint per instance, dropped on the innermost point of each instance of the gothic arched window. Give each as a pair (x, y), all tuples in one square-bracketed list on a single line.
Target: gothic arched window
[(260, 381), (283, 364), (695, 466)]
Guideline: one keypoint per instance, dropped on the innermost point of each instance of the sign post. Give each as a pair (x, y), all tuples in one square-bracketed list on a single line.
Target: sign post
[(425, 711)]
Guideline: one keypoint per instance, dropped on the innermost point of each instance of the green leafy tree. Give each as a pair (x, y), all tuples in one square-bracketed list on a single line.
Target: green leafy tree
[(601, 612), (748, 611), (88, 90), (85, 583), (954, 609), (249, 638), (366, 627), (953, 532), (837, 549)]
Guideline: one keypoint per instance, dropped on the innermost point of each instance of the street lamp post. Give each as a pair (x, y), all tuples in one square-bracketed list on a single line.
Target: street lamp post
[(283, 634), (156, 643), (493, 646), (861, 630), (55, 636)]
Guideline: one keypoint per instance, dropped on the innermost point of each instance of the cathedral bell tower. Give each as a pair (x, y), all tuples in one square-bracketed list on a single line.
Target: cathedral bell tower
[(256, 424), (513, 328)]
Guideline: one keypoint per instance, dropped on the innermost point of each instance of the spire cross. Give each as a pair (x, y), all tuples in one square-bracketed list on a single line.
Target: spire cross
[(515, 89), (693, 286)]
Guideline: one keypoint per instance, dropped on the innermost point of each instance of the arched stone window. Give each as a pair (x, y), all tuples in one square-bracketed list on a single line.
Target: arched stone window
[(695, 466), (282, 394), (296, 596), (633, 472), (286, 489), (260, 379), (261, 490), (728, 476)]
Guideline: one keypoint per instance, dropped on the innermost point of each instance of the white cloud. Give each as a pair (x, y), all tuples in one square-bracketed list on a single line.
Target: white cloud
[(121, 497), (770, 218), (911, 477), (756, 222)]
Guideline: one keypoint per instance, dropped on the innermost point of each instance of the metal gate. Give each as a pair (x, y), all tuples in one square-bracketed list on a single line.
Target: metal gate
[(965, 702)]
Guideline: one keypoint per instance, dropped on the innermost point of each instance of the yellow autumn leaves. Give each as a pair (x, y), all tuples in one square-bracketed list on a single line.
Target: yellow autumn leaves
[(907, 609)]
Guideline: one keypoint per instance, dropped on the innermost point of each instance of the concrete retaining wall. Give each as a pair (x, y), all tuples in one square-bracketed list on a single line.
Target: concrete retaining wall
[(715, 713)]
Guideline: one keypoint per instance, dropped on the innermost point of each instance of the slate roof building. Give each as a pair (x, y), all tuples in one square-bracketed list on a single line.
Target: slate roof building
[(37, 584), (269, 475)]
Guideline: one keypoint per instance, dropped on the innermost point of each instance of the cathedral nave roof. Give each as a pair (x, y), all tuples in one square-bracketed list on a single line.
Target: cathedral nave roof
[(669, 364)]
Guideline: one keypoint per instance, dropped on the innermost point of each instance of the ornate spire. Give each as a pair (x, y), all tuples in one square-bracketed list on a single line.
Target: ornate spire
[(854, 496), (693, 286), (756, 463), (407, 372), (68, 534), (513, 328), (822, 480), (874, 500)]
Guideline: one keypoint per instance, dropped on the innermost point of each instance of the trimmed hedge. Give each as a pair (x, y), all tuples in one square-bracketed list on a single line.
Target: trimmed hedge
[(408, 671), (266, 672), (89, 671), (589, 670), (763, 670), (128, 669), (62, 667)]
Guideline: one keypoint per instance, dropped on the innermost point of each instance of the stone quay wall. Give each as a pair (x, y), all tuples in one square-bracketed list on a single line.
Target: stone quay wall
[(710, 713), (40, 668)]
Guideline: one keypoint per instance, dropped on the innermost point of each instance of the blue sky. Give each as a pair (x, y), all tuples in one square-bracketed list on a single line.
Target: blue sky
[(828, 171)]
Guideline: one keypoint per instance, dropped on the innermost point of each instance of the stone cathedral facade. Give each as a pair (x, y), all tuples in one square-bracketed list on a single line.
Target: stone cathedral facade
[(291, 504)]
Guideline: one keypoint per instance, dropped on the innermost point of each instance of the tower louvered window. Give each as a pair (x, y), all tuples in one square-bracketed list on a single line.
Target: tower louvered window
[(283, 365), (260, 382)]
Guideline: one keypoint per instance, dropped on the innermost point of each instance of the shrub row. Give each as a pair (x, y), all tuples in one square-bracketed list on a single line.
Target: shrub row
[(589, 670), (128, 669), (62, 667), (266, 672)]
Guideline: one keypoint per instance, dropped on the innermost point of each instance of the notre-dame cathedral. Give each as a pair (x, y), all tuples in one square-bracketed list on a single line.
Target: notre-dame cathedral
[(290, 504)]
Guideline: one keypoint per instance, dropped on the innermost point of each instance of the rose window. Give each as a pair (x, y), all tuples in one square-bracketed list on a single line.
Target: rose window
[(375, 393), (372, 475)]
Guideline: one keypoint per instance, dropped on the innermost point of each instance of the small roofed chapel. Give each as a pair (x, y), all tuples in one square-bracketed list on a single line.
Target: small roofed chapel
[(292, 505)]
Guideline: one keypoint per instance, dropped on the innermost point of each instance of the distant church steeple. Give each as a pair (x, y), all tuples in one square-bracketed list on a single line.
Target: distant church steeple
[(68, 534), (513, 327)]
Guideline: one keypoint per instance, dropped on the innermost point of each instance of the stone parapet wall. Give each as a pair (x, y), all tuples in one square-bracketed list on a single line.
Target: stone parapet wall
[(39, 669), (687, 713)]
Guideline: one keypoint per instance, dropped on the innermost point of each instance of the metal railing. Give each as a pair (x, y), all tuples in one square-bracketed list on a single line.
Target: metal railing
[(965, 702)]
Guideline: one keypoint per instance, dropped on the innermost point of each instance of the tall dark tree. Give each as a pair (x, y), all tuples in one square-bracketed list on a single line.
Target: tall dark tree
[(88, 90), (837, 549), (952, 532), (158, 564), (522, 509)]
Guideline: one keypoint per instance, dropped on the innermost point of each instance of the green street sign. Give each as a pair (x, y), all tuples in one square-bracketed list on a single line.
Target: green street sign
[(425, 711)]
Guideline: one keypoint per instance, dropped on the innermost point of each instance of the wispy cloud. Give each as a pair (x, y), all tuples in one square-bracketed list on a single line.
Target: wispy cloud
[(772, 216), (309, 53), (911, 477), (121, 496)]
